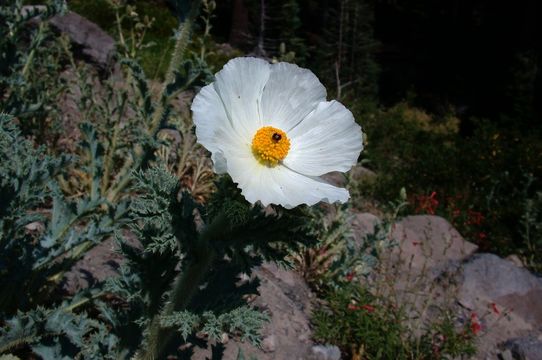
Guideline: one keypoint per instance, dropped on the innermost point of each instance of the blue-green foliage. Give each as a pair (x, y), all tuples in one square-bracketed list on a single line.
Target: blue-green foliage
[(172, 231), (29, 81), (339, 258), (363, 324), (58, 333), (26, 178), (244, 321), (41, 235), (181, 261)]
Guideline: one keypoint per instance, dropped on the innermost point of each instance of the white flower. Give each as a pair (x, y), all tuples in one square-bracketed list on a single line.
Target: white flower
[(270, 127)]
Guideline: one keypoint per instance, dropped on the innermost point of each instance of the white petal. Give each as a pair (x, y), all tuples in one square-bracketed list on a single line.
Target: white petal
[(213, 129), (327, 140), (300, 189), (290, 94), (278, 185), (240, 85), (210, 118)]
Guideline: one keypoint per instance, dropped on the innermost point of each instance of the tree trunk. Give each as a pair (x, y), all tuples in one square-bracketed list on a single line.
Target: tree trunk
[(239, 24)]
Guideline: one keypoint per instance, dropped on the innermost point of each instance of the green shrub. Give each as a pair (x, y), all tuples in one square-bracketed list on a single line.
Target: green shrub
[(365, 326), (482, 173), (410, 148)]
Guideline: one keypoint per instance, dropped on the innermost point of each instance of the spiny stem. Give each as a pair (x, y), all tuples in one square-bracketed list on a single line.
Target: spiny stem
[(30, 58), (184, 288), (108, 163), (183, 37)]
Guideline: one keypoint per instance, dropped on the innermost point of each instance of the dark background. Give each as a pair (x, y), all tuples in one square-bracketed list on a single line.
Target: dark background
[(480, 57)]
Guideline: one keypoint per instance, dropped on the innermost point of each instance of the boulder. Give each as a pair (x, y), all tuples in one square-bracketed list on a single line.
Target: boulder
[(335, 178), (361, 173), (326, 352), (428, 242), (98, 264), (94, 44), (508, 301), (490, 279), (287, 299), (525, 348), (356, 174), (363, 224)]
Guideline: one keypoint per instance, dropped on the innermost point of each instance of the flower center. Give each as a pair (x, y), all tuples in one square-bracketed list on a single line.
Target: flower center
[(270, 145)]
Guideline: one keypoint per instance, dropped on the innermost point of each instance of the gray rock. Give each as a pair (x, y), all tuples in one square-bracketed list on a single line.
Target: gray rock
[(516, 260), (363, 224), (335, 178), (360, 173), (98, 264), (487, 283), (426, 241), (525, 348), (287, 299), (29, 8), (326, 352), (356, 174), (94, 43), (488, 278), (269, 344), (506, 355)]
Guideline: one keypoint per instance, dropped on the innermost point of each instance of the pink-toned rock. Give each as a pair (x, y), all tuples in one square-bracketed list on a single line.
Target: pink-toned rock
[(94, 43), (285, 296), (507, 298), (426, 241), (335, 178), (363, 224), (487, 279), (526, 348), (98, 264), (431, 266), (357, 173), (89, 40)]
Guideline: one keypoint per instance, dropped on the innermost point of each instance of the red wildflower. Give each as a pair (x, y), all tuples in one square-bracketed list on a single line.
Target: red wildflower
[(349, 276), (495, 309), (475, 325), (427, 204), (368, 308), (474, 218)]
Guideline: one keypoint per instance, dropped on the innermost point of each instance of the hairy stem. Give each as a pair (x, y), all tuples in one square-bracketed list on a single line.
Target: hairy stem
[(183, 38), (184, 288), (108, 163), (30, 58)]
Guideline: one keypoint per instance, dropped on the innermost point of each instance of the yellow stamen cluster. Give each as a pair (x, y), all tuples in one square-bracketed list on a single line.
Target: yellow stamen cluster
[(270, 145)]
